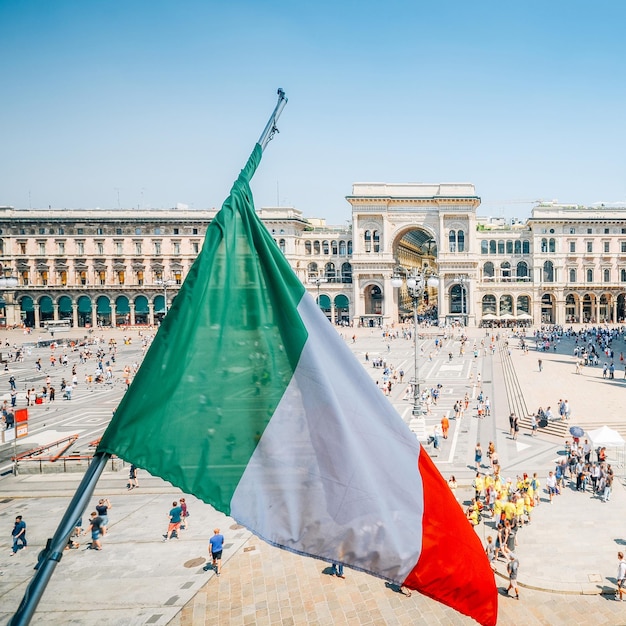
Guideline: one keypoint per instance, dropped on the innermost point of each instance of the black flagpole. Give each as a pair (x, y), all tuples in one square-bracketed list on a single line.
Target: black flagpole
[(52, 553)]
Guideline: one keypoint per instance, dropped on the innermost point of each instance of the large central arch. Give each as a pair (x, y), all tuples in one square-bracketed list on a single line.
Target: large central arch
[(415, 251)]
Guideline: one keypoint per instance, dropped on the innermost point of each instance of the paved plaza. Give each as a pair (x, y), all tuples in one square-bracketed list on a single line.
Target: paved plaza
[(567, 554)]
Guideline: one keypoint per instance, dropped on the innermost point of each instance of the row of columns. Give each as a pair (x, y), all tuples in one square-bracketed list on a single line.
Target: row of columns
[(560, 313), (94, 315)]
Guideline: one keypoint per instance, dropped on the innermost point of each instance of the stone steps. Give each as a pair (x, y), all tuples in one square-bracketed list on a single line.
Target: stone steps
[(558, 428)]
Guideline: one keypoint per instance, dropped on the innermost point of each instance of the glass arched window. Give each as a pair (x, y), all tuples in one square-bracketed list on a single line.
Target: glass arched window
[(506, 304), (342, 248), (518, 247), (622, 275), (523, 304), (333, 247), (316, 247), (492, 246), (376, 241), (607, 275), (489, 304), (452, 240), (525, 246), (312, 271), (522, 270), (325, 247), (572, 275), (373, 300), (281, 245), (548, 272), (488, 270), (346, 273), (307, 247), (458, 301), (484, 247), (509, 246), (552, 245), (570, 307), (460, 240), (544, 245), (505, 270), (368, 241), (329, 272), (350, 246), (500, 247), (589, 275)]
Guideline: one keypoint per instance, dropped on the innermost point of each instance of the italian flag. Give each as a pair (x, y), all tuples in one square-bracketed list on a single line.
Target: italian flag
[(250, 400)]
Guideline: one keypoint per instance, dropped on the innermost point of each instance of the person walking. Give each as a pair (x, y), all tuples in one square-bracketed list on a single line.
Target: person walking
[(175, 516), (515, 426), (478, 455), (540, 364), (445, 426), (185, 515), (102, 508), (608, 484), (490, 551), (216, 545), (19, 535), (551, 485), (97, 530), (512, 568), (621, 576), (132, 477)]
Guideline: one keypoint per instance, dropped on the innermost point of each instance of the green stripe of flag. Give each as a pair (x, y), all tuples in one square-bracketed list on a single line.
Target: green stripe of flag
[(189, 416)]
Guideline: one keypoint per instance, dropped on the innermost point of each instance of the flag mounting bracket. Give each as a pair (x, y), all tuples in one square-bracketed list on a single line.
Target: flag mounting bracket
[(270, 128)]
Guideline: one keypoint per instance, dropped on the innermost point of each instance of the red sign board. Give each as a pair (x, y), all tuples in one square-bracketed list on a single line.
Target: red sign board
[(21, 415)]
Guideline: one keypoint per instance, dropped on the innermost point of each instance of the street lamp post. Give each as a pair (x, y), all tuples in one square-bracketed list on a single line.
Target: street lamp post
[(165, 284), (463, 279), (416, 282), (319, 281)]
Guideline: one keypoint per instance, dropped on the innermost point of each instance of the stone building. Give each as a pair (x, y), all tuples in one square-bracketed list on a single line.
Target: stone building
[(564, 264)]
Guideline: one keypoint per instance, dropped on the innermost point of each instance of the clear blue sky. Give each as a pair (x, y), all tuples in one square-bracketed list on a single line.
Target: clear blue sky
[(161, 101)]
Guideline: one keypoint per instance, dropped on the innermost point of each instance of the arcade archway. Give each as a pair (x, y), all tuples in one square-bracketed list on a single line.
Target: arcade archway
[(415, 252)]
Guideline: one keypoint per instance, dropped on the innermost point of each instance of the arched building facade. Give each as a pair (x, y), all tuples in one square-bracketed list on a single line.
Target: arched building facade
[(565, 264)]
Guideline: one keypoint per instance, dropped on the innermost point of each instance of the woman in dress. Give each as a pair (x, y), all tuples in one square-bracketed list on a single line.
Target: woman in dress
[(478, 456)]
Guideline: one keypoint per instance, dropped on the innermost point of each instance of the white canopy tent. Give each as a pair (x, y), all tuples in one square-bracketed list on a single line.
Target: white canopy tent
[(608, 438)]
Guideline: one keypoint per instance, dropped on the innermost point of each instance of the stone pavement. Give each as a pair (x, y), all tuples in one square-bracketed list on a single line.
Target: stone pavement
[(567, 555)]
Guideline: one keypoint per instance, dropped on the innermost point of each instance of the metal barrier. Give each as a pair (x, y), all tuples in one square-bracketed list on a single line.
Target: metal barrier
[(69, 441), (69, 462)]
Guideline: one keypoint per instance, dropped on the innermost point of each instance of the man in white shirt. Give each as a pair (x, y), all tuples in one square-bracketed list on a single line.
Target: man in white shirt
[(587, 450), (551, 485)]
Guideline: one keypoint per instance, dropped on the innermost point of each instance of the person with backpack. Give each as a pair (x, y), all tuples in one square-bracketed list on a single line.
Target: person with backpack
[(512, 568)]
